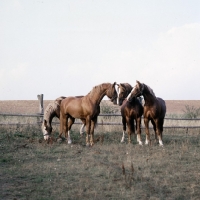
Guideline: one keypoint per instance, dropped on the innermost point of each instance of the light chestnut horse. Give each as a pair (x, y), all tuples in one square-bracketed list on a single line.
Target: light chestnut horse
[(53, 110), (154, 110), (86, 108), (131, 111)]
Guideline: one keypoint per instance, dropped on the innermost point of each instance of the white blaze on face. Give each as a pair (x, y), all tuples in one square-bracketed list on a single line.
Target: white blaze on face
[(130, 94), (118, 92)]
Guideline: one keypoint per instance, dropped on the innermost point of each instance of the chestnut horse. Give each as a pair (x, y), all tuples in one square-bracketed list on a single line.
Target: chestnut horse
[(86, 108), (53, 110), (154, 110), (131, 111)]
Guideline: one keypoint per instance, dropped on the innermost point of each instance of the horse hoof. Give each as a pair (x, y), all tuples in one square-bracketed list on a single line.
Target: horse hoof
[(87, 144), (59, 140), (69, 141)]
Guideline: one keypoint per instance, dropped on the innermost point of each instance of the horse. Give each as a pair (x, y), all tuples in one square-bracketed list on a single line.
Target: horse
[(123, 91), (53, 110), (131, 111), (85, 108), (154, 110)]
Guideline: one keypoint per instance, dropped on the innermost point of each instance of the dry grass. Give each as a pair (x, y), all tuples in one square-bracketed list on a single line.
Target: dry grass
[(32, 169)]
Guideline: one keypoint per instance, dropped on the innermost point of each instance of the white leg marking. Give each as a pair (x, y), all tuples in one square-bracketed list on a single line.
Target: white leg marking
[(82, 130), (46, 137), (69, 139), (122, 140), (138, 140), (146, 141), (160, 143)]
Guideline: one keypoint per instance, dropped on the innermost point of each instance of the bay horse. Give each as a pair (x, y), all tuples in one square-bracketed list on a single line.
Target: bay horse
[(131, 111), (85, 108), (154, 110), (53, 110)]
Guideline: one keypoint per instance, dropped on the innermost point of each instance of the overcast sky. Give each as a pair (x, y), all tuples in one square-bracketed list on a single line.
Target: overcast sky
[(66, 47)]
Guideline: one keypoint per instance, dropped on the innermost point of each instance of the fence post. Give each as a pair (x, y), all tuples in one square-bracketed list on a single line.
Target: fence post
[(41, 108)]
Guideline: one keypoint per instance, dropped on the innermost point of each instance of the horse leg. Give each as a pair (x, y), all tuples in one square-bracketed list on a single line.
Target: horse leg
[(146, 122), (82, 128), (131, 128), (88, 126), (124, 128), (159, 125), (138, 128), (70, 123), (63, 124), (154, 128), (93, 122)]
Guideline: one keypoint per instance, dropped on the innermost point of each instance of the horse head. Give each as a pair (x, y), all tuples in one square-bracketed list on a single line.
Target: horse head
[(123, 90), (46, 129), (112, 93), (136, 91)]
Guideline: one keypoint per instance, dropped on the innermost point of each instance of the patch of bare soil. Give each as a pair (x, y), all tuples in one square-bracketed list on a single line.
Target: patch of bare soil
[(32, 106)]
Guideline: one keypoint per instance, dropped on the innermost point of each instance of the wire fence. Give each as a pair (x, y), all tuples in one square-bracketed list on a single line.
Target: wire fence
[(103, 119)]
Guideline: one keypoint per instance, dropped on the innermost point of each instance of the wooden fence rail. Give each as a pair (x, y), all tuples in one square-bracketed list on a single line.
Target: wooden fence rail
[(104, 115), (100, 122)]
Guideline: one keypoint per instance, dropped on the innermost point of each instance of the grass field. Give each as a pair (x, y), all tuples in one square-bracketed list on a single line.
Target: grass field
[(32, 169)]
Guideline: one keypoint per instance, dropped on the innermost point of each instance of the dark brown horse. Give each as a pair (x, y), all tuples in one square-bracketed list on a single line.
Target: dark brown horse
[(86, 108), (53, 110), (154, 110), (131, 111)]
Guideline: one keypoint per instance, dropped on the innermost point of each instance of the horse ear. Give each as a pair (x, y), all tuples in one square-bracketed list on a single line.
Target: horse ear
[(114, 84), (122, 85), (138, 83)]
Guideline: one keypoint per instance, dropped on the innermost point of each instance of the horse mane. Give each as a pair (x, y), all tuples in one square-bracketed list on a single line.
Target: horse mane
[(60, 98), (52, 107), (97, 93), (96, 89), (150, 90)]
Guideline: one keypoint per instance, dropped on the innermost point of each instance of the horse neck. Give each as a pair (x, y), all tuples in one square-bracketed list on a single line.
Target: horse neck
[(148, 97), (49, 114), (49, 118), (98, 94), (128, 89)]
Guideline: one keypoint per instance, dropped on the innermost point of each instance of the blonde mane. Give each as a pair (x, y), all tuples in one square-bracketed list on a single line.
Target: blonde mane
[(50, 109)]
